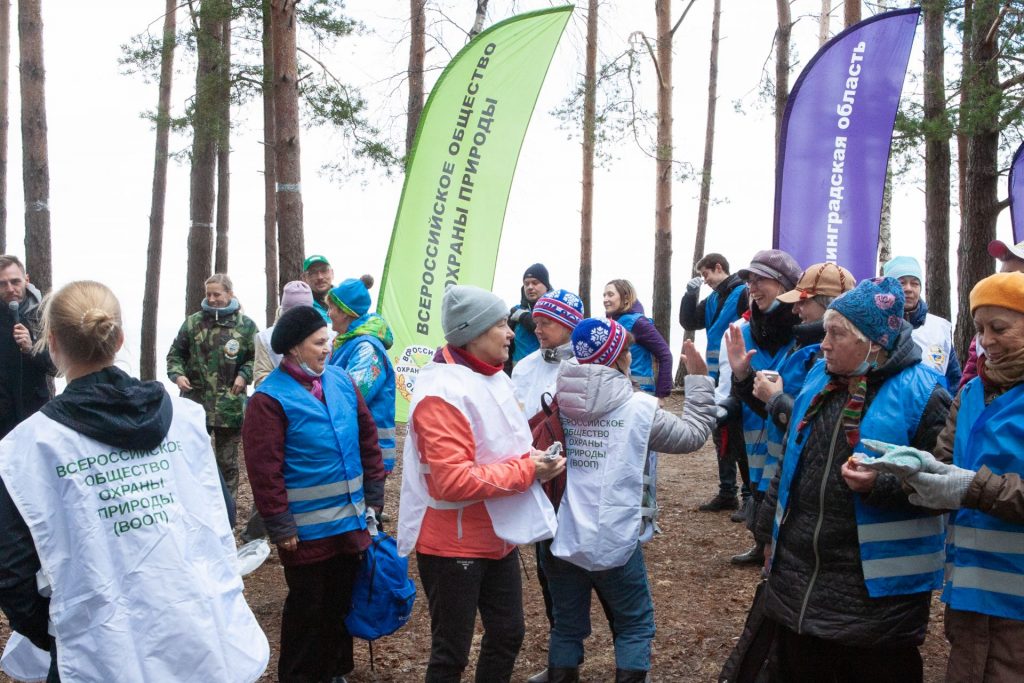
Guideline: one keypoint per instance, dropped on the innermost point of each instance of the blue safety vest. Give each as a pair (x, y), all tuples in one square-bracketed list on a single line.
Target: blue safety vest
[(900, 550), (526, 342), (755, 427), (323, 469), (717, 320), (641, 369), (793, 372), (985, 555), (381, 399)]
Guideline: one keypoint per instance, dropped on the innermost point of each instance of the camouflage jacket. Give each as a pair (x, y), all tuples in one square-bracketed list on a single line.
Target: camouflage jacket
[(211, 353)]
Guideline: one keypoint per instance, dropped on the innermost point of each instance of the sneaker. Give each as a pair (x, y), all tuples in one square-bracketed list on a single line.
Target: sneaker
[(719, 503)]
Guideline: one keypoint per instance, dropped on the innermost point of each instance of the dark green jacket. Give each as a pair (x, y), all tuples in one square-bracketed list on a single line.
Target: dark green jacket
[(211, 351)]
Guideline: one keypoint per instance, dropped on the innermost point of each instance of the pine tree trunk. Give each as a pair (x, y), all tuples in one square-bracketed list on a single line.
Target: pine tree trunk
[(478, 21), (286, 139), (154, 255), (885, 221), (269, 172), (961, 135), (35, 161), (851, 12), (936, 162), (981, 187), (204, 153), (662, 304), (5, 69), (589, 137), (823, 21), (417, 47), (224, 148), (782, 39)]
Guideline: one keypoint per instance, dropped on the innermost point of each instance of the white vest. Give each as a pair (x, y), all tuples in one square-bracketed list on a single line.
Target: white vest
[(138, 552), (935, 338), (500, 432), (532, 377), (263, 337), (599, 519)]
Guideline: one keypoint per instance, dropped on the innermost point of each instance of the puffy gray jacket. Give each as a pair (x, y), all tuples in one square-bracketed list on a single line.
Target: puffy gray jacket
[(587, 391)]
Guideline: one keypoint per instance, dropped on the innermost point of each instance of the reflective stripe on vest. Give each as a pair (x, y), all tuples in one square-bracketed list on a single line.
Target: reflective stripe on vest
[(793, 372), (600, 517), (323, 467), (381, 400), (985, 554), (144, 587), (755, 427), (720, 318), (641, 368), (900, 550)]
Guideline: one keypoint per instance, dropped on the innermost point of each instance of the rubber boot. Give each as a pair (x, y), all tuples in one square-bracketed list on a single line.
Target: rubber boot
[(563, 675), (627, 676), (539, 677), (754, 556)]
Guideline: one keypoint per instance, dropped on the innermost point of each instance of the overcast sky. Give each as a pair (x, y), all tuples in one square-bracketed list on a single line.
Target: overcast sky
[(101, 156)]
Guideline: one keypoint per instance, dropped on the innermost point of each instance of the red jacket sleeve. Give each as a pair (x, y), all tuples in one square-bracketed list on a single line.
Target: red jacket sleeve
[(374, 473), (445, 441), (263, 434)]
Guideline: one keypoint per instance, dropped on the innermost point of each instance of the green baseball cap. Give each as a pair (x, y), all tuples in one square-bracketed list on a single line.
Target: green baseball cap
[(313, 260)]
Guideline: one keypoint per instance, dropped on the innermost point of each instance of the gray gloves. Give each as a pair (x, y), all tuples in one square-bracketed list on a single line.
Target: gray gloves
[(518, 314), (694, 285), (936, 485)]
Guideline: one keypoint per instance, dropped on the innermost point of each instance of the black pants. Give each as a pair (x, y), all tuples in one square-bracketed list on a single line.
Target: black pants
[(546, 593), (456, 588), (806, 658), (315, 646)]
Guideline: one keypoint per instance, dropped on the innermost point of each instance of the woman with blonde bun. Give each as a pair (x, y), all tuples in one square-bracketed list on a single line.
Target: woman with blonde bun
[(116, 551)]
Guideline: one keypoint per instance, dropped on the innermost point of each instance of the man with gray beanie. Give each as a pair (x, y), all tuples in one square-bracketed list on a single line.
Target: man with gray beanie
[(471, 490)]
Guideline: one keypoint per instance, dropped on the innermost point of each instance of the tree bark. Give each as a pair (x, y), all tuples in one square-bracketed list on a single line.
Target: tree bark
[(709, 137), (35, 161), (824, 19), (5, 69), (936, 162), (417, 48), (851, 12), (662, 304), (885, 221), (980, 207), (269, 171), (154, 255), (961, 134), (589, 139), (781, 69), (478, 21), (224, 147), (204, 153), (286, 141)]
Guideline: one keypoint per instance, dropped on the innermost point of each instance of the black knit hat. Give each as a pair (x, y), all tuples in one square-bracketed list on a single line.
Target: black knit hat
[(539, 271), (294, 326)]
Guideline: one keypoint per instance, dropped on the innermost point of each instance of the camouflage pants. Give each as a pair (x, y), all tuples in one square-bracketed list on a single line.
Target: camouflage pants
[(225, 446)]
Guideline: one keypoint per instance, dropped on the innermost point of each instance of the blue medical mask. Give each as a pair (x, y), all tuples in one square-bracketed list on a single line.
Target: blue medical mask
[(865, 366), (310, 371)]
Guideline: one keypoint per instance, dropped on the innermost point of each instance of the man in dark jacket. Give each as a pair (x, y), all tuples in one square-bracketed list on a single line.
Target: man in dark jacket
[(854, 562), (726, 304), (25, 383)]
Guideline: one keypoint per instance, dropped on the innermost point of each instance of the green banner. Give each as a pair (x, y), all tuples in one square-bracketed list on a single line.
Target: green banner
[(458, 180)]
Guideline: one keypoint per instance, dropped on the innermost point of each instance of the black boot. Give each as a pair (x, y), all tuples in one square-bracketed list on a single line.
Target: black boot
[(627, 676), (539, 677), (754, 556), (563, 675), (720, 502)]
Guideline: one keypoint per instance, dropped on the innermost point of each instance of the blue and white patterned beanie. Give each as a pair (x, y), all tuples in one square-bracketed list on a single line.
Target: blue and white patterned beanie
[(562, 306), (598, 341), (875, 307)]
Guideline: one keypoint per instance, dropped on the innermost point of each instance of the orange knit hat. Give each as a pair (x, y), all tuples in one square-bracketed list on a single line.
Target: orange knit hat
[(1005, 290)]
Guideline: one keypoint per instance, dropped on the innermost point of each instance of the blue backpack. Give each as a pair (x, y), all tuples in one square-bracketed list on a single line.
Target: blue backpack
[(383, 594)]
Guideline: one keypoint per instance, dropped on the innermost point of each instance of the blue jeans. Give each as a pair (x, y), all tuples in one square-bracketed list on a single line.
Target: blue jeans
[(626, 593)]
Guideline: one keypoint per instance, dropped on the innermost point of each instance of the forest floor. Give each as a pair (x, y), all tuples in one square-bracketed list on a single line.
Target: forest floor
[(700, 600)]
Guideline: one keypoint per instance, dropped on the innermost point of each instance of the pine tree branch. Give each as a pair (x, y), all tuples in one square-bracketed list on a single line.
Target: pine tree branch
[(686, 11)]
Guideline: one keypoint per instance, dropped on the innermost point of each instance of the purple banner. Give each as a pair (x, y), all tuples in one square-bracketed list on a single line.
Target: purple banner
[(835, 140), (1016, 191)]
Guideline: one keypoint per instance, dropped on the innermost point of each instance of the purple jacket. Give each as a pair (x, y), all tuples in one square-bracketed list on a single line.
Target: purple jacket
[(646, 335)]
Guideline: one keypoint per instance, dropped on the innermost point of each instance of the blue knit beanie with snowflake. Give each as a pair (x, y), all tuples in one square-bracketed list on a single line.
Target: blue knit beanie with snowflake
[(599, 340), (562, 306)]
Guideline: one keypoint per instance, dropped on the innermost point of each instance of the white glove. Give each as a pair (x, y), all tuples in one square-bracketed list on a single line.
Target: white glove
[(694, 284), (943, 491), (903, 461), (371, 521), (517, 314)]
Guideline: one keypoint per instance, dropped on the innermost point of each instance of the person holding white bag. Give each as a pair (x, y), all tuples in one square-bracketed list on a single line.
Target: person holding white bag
[(607, 510), (471, 490), (110, 498)]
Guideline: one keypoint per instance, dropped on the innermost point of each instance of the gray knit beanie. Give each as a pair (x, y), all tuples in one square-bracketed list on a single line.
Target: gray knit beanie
[(468, 311)]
